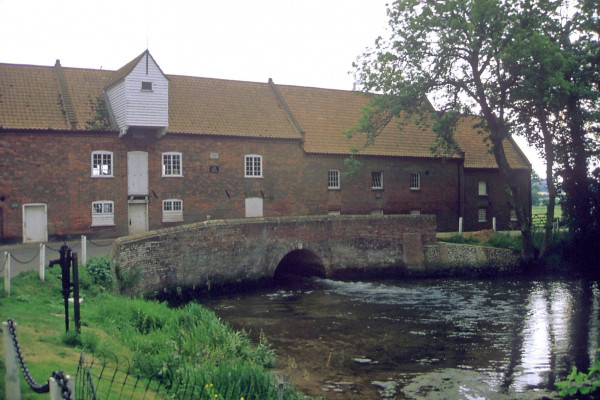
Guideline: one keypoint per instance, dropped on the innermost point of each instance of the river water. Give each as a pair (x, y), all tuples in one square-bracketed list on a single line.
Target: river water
[(455, 339)]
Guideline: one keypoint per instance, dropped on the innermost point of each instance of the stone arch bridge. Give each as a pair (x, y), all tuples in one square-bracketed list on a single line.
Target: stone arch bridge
[(230, 252)]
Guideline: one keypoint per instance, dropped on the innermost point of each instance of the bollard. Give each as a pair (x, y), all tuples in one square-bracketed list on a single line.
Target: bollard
[(494, 224), (460, 223), (42, 262), (7, 273), (83, 250), (11, 379)]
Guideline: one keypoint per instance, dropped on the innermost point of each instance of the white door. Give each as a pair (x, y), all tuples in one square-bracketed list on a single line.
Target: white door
[(137, 173), (138, 218), (35, 223), (254, 207)]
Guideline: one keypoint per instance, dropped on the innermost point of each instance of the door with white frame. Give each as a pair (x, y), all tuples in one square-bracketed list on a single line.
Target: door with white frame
[(35, 223), (138, 217), (137, 173)]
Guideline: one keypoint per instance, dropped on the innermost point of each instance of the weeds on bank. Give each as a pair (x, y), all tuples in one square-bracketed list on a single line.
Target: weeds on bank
[(190, 341)]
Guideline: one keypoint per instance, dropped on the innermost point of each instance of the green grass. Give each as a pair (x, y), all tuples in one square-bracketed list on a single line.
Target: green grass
[(190, 340), (542, 210)]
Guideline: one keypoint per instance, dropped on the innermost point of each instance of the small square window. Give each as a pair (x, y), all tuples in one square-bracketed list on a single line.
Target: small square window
[(171, 164), (147, 86), (102, 164), (333, 179), (172, 210), (482, 188), (513, 215), (253, 166), (482, 215), (415, 181), (377, 180), (103, 213)]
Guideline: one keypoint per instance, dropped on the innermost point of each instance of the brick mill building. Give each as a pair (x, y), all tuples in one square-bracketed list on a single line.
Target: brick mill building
[(111, 153)]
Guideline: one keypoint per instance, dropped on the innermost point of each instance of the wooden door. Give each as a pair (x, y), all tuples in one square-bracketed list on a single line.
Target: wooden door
[(35, 223), (137, 173)]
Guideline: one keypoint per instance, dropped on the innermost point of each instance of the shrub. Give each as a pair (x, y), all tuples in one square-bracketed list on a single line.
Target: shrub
[(581, 384), (100, 270)]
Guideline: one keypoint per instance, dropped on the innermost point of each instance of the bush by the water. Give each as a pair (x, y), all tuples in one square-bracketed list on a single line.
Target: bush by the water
[(190, 342)]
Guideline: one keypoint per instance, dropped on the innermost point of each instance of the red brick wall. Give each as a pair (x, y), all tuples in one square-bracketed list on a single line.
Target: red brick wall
[(55, 168), (497, 202)]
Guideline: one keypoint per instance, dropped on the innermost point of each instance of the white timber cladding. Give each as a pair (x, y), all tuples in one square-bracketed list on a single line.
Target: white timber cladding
[(133, 105)]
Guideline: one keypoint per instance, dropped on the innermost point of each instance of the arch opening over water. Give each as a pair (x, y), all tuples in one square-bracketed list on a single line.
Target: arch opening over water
[(296, 265)]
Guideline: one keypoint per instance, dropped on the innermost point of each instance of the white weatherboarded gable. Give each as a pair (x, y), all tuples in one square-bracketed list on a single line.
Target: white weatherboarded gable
[(138, 96)]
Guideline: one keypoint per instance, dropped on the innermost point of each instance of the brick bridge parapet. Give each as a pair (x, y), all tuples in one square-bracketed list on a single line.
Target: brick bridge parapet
[(245, 250)]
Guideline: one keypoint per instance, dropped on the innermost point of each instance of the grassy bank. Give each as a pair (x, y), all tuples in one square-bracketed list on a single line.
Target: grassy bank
[(190, 340)]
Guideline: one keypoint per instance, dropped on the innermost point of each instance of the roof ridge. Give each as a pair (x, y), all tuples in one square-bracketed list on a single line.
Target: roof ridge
[(66, 103), (286, 109)]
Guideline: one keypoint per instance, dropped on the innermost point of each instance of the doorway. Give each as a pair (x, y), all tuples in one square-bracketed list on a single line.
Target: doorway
[(35, 223)]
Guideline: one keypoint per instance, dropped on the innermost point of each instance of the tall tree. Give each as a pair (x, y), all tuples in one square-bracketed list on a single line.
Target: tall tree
[(468, 56)]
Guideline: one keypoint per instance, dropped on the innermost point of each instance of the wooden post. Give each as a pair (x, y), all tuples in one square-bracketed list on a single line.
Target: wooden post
[(11, 379), (7, 273), (42, 262), (83, 250)]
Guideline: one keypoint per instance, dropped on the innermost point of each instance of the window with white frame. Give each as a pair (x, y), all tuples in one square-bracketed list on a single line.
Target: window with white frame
[(482, 188), (171, 164), (103, 213), (482, 215), (333, 179), (172, 210), (147, 86), (415, 181), (377, 180), (102, 164), (253, 166)]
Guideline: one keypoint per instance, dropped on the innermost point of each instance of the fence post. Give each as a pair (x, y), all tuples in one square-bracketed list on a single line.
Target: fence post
[(460, 222), (11, 379), (7, 273), (83, 250), (494, 223), (42, 262)]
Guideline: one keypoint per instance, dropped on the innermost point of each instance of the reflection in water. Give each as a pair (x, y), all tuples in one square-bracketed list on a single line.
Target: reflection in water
[(518, 335)]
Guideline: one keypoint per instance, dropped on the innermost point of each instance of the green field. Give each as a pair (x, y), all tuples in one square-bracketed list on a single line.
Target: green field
[(542, 210)]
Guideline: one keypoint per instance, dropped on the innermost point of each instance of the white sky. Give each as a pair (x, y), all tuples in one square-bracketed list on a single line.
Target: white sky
[(295, 42)]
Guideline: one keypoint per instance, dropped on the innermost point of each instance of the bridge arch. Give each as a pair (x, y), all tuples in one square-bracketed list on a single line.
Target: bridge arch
[(299, 263)]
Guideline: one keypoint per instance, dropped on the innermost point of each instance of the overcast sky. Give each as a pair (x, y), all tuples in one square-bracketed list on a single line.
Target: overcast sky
[(295, 42)]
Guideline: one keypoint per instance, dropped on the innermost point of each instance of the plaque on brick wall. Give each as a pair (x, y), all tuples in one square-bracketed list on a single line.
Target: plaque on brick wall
[(214, 169)]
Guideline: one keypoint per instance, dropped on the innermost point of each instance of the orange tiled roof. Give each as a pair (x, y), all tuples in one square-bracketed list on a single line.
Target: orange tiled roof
[(30, 99), (324, 114), (478, 151), (221, 107)]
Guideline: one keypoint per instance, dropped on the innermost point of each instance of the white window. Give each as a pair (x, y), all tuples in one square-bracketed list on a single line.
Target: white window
[(171, 164), (147, 86), (377, 180), (172, 210), (415, 181), (482, 188), (253, 166), (103, 213), (482, 215), (333, 179), (102, 164)]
